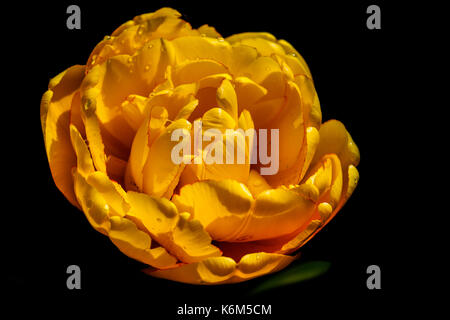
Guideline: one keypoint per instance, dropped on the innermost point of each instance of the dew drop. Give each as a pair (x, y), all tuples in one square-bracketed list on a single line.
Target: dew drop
[(107, 38), (147, 67)]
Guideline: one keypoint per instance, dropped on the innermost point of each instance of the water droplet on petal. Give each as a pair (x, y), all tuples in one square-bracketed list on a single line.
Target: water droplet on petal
[(147, 67), (107, 38)]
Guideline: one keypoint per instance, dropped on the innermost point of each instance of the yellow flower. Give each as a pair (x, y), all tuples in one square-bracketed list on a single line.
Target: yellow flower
[(108, 128)]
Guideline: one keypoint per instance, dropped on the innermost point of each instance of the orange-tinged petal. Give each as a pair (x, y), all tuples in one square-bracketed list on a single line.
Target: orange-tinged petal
[(208, 31), (292, 132), (173, 100), (334, 138), (290, 50), (326, 175), (55, 120), (301, 238), (227, 99), (92, 203), (296, 172), (209, 271), (133, 109), (116, 167), (107, 86), (191, 243), (220, 206), (151, 62), (84, 161), (221, 270), (133, 35), (248, 92), (184, 238), (194, 70), (264, 111), (264, 42), (257, 264), (158, 216), (285, 209), (111, 191), (160, 173), (310, 101), (225, 155), (267, 72), (136, 244), (93, 132), (250, 35), (193, 48), (256, 183), (149, 131)]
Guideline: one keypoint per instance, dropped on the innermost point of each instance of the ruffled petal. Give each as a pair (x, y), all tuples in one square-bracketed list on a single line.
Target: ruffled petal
[(186, 239), (220, 206), (136, 244), (55, 119), (285, 209), (221, 270), (160, 172), (92, 203), (84, 160)]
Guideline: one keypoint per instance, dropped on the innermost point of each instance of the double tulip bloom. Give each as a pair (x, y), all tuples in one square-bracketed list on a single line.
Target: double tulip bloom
[(108, 129)]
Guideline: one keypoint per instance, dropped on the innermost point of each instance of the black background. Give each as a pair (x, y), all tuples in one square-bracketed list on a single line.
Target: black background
[(357, 73)]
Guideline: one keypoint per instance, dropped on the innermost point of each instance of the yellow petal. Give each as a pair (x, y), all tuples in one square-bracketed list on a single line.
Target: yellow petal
[(208, 31), (194, 70), (133, 35), (256, 183), (326, 175), (93, 132), (151, 62), (173, 100), (158, 216), (133, 110), (191, 243), (84, 161), (301, 238), (334, 138), (209, 271), (260, 263), (227, 99), (290, 50), (92, 203), (220, 206), (116, 168), (267, 72), (107, 86), (111, 191), (248, 92), (136, 244), (184, 238), (160, 173), (310, 101), (55, 119), (250, 35), (264, 42), (233, 160), (220, 270), (149, 131), (292, 133), (285, 209), (193, 48)]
